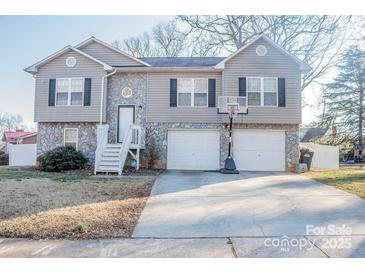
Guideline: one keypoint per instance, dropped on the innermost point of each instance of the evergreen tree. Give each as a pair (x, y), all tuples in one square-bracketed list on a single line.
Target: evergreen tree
[(344, 97)]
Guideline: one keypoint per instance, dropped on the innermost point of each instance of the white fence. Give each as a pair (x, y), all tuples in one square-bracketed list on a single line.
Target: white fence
[(324, 156), (22, 155)]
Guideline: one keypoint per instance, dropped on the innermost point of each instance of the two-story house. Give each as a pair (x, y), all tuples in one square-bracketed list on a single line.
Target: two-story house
[(107, 103)]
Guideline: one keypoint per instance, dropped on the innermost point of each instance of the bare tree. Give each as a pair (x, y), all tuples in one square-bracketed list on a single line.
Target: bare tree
[(139, 46), (316, 40), (169, 39), (201, 44), (10, 122), (166, 40)]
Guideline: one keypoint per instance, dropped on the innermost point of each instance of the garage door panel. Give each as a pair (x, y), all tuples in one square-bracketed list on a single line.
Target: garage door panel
[(243, 145), (261, 150), (193, 149)]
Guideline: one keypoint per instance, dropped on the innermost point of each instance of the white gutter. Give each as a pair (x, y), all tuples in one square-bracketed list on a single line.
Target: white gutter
[(102, 94)]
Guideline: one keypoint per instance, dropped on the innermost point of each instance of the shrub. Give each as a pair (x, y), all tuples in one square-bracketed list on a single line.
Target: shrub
[(4, 159), (62, 158), (151, 153)]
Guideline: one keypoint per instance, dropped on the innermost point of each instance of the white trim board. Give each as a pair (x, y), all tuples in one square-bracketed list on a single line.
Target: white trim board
[(34, 68), (93, 39)]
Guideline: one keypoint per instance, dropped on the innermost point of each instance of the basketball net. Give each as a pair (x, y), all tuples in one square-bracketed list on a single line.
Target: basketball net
[(232, 111)]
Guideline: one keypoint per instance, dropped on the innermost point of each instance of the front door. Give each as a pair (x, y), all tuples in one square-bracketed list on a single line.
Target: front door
[(125, 120)]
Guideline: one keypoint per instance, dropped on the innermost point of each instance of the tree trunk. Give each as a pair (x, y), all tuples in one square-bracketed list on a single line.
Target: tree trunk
[(361, 112)]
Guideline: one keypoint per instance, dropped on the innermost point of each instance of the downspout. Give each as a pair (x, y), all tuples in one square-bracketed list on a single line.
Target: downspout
[(102, 94)]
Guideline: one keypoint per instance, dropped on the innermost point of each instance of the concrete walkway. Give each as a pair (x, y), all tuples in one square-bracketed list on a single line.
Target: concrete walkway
[(179, 248)]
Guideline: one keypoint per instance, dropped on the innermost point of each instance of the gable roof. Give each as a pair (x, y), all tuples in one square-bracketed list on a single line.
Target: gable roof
[(182, 61), (14, 135), (34, 68), (302, 65), (93, 39), (310, 133)]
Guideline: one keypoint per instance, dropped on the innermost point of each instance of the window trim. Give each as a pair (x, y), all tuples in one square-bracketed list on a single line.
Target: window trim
[(69, 92), (192, 92), (77, 136), (262, 92)]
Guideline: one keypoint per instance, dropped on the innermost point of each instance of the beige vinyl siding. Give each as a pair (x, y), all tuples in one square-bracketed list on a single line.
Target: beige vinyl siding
[(274, 64), (85, 68), (108, 56), (158, 99)]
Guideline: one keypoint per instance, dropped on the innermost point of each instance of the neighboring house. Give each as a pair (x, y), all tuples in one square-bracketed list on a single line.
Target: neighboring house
[(311, 134), (106, 102), (2, 146), (19, 136)]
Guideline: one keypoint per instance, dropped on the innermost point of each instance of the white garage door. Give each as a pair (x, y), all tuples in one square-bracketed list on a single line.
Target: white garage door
[(193, 149), (262, 150)]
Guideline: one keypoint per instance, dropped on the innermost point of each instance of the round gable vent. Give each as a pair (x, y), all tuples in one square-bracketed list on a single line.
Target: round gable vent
[(261, 50), (70, 61), (127, 92)]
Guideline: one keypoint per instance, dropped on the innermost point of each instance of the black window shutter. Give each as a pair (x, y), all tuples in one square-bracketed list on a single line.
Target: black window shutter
[(242, 86), (281, 91), (173, 92), (87, 92), (52, 92), (211, 92)]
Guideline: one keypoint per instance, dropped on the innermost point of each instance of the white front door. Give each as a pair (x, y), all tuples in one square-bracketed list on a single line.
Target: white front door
[(125, 120), (259, 149), (193, 149)]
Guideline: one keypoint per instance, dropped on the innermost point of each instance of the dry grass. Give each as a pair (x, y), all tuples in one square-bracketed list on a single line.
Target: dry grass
[(350, 179), (85, 209)]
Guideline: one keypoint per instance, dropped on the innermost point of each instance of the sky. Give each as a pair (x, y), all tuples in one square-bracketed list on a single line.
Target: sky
[(27, 39)]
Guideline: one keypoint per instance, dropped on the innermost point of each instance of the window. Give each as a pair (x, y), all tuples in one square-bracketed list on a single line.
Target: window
[(69, 91), (192, 92), (71, 137), (262, 91)]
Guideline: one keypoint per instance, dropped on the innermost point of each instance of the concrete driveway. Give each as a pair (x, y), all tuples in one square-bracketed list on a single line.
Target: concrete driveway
[(251, 204)]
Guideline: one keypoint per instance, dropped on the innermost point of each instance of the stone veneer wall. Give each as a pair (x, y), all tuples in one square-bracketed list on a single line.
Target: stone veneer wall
[(51, 135), (158, 131), (138, 83)]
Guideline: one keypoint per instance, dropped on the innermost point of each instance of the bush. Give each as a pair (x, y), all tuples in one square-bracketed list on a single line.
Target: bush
[(4, 159), (151, 153), (62, 158)]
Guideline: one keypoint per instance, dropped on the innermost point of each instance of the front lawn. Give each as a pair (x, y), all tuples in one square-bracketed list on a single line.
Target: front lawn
[(350, 179), (69, 205)]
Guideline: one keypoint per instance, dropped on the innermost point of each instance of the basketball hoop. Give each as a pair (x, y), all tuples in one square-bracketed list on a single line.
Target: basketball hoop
[(232, 109)]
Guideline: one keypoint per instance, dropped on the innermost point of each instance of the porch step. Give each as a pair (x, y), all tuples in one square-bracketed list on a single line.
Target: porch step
[(107, 169), (108, 162), (110, 156), (113, 146)]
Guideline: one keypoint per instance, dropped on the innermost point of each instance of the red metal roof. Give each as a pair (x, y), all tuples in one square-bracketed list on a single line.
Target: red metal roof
[(13, 135)]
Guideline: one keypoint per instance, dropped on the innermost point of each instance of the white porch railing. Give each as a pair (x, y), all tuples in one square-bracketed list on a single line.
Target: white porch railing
[(132, 143), (102, 141), (136, 137), (123, 153)]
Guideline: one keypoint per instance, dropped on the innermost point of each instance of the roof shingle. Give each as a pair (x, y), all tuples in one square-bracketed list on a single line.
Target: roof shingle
[(182, 61)]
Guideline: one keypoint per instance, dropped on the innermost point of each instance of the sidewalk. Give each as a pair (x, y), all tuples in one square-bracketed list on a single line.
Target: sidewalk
[(241, 247)]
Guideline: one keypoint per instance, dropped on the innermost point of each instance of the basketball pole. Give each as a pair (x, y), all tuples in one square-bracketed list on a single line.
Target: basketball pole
[(229, 164), (230, 136)]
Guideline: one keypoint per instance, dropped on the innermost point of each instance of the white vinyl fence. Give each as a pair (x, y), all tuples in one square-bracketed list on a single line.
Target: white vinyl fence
[(22, 155), (324, 156)]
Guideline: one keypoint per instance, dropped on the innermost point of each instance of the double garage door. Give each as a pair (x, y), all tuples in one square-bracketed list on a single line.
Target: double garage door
[(262, 150)]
